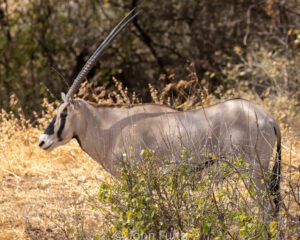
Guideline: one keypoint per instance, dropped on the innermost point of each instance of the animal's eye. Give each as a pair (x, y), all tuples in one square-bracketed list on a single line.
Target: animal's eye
[(63, 114)]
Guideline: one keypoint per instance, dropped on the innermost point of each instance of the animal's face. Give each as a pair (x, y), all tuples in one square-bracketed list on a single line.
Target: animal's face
[(60, 130)]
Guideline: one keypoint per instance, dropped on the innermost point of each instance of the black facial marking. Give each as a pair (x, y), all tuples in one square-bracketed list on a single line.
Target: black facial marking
[(63, 117), (50, 129)]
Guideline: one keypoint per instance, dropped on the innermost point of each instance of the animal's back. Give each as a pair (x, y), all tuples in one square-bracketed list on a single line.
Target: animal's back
[(231, 126)]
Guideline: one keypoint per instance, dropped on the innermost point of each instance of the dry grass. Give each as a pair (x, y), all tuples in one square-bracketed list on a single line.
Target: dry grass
[(45, 195), (54, 195)]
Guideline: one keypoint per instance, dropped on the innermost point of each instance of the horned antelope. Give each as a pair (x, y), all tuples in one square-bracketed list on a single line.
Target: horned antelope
[(105, 133)]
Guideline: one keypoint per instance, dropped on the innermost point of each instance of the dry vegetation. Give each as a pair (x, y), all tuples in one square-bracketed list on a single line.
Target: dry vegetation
[(54, 195), (44, 194)]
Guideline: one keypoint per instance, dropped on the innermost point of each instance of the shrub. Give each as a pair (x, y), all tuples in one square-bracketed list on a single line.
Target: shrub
[(181, 201)]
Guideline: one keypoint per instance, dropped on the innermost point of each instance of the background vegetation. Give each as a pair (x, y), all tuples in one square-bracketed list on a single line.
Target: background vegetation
[(182, 53), (44, 44)]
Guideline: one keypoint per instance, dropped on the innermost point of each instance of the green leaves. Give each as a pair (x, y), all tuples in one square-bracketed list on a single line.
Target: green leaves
[(152, 198)]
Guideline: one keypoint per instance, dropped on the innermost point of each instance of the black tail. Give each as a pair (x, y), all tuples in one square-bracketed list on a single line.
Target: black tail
[(275, 178)]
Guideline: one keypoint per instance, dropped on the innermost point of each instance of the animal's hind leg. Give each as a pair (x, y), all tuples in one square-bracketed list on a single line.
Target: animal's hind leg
[(261, 177), (255, 177)]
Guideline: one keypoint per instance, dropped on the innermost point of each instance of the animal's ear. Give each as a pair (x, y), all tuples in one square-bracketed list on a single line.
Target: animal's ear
[(63, 97)]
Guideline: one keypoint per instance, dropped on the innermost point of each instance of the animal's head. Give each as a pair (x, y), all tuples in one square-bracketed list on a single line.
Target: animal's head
[(62, 127)]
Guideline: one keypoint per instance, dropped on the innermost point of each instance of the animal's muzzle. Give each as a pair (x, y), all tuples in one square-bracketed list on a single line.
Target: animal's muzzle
[(41, 143), (45, 141)]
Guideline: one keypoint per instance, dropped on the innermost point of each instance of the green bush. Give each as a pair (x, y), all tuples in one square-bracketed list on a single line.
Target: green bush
[(160, 201)]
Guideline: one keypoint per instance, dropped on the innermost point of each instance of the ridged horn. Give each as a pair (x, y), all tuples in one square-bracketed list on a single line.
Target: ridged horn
[(92, 60)]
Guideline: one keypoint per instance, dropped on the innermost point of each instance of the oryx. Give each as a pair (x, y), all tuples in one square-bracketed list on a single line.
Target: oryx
[(234, 127)]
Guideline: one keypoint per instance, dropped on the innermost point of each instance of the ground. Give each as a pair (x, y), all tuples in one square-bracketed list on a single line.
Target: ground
[(49, 197)]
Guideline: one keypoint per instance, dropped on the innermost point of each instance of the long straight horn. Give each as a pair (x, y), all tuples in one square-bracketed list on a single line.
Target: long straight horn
[(92, 60)]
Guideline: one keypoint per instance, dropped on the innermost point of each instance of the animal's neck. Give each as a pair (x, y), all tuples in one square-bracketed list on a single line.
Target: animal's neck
[(94, 134), (99, 126)]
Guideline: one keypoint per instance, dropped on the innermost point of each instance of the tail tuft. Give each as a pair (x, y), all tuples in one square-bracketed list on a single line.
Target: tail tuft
[(275, 178)]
